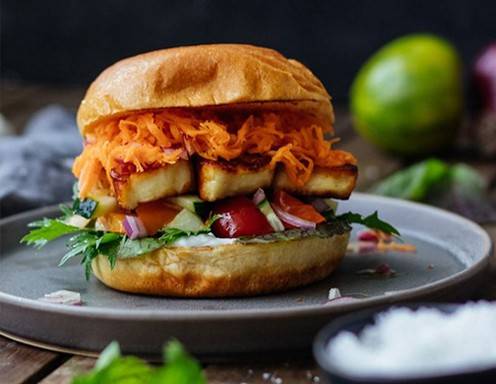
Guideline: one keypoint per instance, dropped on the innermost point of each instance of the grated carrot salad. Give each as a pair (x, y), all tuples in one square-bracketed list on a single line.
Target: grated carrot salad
[(153, 139)]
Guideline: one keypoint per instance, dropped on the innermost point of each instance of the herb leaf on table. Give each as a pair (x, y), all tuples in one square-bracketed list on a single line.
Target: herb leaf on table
[(111, 367), (457, 187)]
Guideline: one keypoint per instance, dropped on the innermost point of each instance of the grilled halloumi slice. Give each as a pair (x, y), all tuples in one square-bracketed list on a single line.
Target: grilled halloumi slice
[(171, 180), (336, 182), (219, 179)]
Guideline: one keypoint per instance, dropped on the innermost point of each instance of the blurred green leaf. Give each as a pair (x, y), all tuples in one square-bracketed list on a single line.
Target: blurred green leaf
[(179, 368), (458, 188), (415, 182)]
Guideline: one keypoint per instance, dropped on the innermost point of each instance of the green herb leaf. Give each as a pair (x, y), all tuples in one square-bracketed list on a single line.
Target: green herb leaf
[(66, 211), (89, 243), (170, 235), (415, 182), (88, 255), (76, 245), (109, 354), (180, 368), (111, 367), (129, 370), (131, 248), (47, 230), (457, 187), (372, 221)]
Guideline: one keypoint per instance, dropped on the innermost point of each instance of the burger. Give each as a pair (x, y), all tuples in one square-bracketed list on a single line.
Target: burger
[(207, 171)]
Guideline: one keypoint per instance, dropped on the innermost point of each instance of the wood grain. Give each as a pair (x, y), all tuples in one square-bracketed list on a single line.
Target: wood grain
[(74, 366), (24, 364), (291, 372)]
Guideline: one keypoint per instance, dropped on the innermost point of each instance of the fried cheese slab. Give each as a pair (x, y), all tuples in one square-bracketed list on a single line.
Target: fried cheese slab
[(337, 182), (171, 180), (219, 179)]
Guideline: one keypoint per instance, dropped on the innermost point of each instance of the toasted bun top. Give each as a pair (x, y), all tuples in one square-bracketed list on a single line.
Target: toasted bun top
[(199, 76)]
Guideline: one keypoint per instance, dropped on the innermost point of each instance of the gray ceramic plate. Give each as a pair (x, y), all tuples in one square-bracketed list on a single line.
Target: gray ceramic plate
[(452, 251)]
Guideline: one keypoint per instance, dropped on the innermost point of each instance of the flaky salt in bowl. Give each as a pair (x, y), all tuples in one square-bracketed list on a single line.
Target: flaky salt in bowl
[(422, 342)]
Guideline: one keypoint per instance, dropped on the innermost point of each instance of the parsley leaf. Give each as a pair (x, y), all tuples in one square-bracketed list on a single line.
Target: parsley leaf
[(372, 221), (89, 243), (170, 235), (47, 230), (178, 368), (131, 248), (66, 211)]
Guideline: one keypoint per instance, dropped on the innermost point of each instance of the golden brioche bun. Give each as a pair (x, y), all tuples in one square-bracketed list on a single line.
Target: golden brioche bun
[(200, 76), (225, 270)]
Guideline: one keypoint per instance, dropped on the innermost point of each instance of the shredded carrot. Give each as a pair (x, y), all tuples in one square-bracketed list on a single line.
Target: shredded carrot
[(154, 139), (399, 247)]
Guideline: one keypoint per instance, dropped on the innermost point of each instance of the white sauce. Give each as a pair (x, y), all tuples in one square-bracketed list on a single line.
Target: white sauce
[(419, 343), (204, 240)]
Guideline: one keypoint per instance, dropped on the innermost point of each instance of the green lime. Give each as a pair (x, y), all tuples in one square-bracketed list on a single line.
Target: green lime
[(408, 97)]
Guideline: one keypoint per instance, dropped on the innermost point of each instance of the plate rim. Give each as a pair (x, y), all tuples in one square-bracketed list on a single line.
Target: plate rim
[(253, 313)]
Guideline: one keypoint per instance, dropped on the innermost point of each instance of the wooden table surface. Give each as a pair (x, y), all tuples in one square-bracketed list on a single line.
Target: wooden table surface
[(24, 364)]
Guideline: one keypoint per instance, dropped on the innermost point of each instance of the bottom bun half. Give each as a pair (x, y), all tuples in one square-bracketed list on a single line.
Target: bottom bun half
[(226, 270)]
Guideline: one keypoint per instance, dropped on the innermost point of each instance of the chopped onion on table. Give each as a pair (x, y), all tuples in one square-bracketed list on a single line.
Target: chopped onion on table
[(381, 270), (134, 227), (334, 293), (259, 196), (293, 220), (63, 297)]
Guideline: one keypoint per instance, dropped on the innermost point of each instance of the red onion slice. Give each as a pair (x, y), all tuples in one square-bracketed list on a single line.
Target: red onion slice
[(259, 196), (293, 220), (134, 227), (383, 270)]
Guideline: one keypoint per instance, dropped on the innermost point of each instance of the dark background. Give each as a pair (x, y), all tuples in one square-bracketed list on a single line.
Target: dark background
[(71, 41)]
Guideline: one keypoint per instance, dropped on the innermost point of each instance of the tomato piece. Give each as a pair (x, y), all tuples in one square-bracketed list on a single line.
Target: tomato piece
[(239, 216), (156, 214), (297, 208)]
